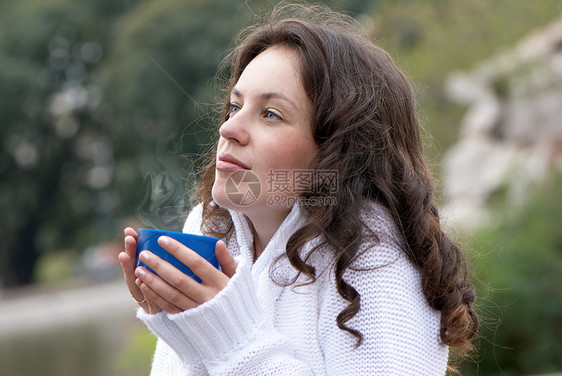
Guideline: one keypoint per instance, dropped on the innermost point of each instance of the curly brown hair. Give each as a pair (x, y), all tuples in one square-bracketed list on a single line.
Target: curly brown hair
[(366, 128)]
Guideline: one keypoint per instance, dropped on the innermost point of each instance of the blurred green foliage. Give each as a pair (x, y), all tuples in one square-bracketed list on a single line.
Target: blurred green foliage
[(56, 267), (432, 38), (56, 154), (136, 356), (519, 264)]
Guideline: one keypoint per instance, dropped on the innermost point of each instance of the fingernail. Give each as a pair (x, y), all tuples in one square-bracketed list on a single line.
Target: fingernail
[(144, 256), (140, 272), (163, 240)]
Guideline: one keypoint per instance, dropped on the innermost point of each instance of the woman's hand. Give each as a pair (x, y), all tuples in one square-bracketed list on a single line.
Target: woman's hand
[(128, 261), (174, 291)]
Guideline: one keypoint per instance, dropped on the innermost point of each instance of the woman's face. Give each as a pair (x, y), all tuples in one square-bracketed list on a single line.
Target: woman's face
[(267, 136)]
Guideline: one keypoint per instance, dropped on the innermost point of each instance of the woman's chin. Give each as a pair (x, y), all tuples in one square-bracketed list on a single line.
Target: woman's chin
[(244, 197), (219, 196), (225, 200)]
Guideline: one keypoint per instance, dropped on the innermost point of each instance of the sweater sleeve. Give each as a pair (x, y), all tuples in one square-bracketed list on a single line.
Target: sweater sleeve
[(174, 354), (232, 337)]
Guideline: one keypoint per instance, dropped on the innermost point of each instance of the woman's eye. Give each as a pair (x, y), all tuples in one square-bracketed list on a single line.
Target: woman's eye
[(272, 115), (234, 108)]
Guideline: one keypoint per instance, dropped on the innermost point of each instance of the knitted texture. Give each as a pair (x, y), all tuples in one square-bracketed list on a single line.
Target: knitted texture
[(256, 326)]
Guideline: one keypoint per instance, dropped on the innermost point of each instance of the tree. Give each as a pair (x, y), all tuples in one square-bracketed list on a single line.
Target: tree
[(48, 190), (93, 97)]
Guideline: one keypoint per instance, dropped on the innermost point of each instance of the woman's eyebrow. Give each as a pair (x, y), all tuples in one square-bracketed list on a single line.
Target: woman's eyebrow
[(267, 95)]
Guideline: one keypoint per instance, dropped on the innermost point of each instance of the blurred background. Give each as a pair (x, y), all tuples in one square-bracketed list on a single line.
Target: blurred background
[(107, 105)]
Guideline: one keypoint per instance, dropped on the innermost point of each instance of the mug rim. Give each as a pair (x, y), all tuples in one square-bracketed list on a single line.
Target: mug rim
[(164, 232)]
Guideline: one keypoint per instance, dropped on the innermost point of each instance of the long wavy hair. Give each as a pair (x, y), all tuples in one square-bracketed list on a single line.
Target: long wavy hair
[(366, 128)]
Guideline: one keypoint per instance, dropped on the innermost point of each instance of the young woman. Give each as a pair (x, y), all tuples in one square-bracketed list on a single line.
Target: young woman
[(334, 261)]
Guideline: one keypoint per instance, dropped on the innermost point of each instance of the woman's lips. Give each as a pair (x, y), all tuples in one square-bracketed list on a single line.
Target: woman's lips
[(227, 162)]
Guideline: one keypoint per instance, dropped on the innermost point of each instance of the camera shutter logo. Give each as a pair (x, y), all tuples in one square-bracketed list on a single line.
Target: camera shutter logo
[(243, 188)]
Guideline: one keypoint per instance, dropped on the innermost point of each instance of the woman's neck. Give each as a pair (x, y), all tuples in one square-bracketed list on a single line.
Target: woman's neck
[(264, 227)]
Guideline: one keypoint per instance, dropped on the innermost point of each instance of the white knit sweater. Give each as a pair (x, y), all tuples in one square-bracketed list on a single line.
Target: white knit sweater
[(257, 327)]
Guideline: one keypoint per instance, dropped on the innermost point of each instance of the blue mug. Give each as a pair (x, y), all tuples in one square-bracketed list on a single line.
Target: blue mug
[(203, 245)]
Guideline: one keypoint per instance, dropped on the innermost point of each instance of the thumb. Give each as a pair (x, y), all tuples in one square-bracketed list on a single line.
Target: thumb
[(225, 259)]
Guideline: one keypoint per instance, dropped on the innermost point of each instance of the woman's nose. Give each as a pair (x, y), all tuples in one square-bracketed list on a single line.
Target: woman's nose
[(235, 128)]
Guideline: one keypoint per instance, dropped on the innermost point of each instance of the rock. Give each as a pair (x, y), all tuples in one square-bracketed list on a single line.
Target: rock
[(511, 135)]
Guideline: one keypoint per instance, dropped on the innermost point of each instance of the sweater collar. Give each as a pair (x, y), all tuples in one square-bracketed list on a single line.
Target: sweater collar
[(278, 243)]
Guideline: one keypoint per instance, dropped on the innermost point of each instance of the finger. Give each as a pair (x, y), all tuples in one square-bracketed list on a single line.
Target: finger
[(163, 294), (166, 306), (131, 246), (225, 259), (131, 238), (171, 276), (197, 264), (174, 285), (128, 258), (130, 262), (128, 265), (131, 232), (152, 307)]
